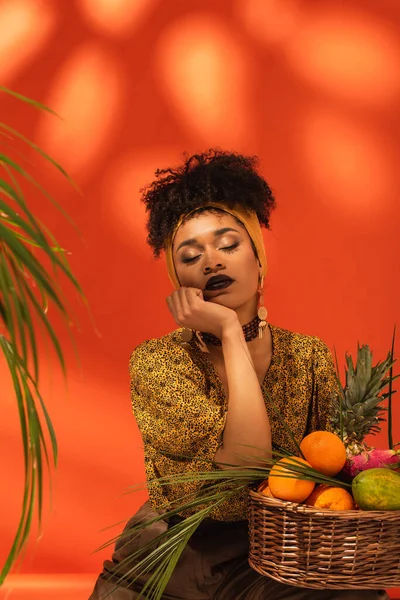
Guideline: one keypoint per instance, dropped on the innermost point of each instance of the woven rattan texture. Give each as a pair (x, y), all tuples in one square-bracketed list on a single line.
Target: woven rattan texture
[(312, 548)]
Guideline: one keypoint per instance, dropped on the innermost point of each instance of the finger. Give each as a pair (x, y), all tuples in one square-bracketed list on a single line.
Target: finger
[(184, 303), (171, 308), (193, 295), (177, 306)]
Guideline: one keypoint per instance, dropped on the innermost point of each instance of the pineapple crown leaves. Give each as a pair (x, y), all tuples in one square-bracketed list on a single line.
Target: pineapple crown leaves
[(360, 402), (364, 382)]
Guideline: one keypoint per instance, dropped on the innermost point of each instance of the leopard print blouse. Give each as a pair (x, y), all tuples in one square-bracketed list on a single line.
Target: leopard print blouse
[(180, 407)]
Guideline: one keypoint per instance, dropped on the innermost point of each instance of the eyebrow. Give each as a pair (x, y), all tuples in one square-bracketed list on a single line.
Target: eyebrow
[(217, 233)]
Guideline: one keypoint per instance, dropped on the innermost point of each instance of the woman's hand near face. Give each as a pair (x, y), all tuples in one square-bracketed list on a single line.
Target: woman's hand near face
[(247, 422), (189, 309)]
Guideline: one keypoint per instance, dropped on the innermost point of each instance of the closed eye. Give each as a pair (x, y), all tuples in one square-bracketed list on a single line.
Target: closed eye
[(187, 261), (230, 248), (227, 249)]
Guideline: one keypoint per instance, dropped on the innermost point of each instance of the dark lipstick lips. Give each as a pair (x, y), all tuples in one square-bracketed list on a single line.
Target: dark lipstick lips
[(218, 282)]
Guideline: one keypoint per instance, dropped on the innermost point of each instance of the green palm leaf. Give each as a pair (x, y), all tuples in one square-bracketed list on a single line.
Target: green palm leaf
[(27, 100), (391, 391), (154, 562), (28, 294)]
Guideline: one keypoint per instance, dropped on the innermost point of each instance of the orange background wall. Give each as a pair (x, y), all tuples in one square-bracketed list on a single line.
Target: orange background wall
[(311, 87)]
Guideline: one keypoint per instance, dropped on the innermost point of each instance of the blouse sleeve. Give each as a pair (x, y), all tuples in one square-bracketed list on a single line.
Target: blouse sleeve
[(324, 387), (180, 420)]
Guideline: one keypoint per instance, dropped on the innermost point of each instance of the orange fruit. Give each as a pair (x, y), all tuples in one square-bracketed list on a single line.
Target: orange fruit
[(327, 496), (284, 484), (264, 489), (324, 451)]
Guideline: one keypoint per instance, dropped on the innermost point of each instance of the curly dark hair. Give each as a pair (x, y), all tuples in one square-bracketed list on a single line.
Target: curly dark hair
[(215, 175)]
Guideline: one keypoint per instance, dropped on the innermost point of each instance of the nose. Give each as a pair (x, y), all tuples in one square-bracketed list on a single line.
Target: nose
[(211, 262), (215, 269)]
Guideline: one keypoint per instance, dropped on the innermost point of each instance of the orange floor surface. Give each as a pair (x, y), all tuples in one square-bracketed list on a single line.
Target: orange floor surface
[(48, 587), (65, 587)]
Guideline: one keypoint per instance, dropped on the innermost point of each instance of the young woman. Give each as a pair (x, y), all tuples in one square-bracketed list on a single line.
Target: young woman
[(200, 394)]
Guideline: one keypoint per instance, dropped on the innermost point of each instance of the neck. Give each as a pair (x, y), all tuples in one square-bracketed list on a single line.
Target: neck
[(247, 312)]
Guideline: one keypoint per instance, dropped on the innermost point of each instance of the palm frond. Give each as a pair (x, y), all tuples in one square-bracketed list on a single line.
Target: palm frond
[(36, 233), (390, 393), (27, 293), (27, 100), (153, 563), (18, 197), (33, 446), (341, 397)]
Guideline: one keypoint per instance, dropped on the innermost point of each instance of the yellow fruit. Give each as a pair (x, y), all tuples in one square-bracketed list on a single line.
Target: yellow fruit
[(334, 498), (324, 451), (284, 484)]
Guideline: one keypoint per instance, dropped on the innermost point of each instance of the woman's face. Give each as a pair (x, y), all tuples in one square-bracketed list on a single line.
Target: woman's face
[(213, 252)]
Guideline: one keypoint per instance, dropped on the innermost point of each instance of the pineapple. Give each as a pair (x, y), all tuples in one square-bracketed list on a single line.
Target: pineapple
[(358, 409)]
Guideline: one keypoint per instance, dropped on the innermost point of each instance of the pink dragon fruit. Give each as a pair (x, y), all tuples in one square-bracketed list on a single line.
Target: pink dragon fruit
[(370, 459)]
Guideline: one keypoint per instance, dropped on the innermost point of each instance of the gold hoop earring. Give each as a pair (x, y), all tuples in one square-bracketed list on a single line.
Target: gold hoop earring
[(262, 312)]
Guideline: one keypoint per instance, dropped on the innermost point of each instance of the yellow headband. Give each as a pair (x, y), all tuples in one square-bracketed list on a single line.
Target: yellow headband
[(250, 222)]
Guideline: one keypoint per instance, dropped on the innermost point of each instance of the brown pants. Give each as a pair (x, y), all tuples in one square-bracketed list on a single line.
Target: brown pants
[(213, 566)]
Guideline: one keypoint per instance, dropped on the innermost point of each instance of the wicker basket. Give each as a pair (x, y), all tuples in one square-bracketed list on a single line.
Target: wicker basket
[(307, 547)]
